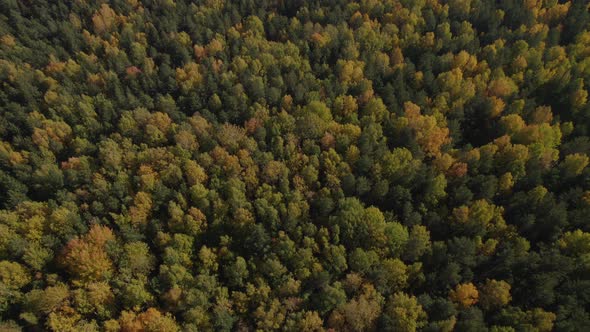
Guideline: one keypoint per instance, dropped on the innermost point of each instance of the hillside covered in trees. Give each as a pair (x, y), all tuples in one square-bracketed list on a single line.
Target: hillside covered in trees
[(291, 165)]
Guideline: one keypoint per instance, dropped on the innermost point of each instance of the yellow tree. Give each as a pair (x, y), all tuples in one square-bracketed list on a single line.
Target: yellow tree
[(359, 314), (464, 295), (86, 258), (403, 313), (188, 77), (104, 19), (574, 164), (140, 211), (151, 320), (429, 135), (13, 275)]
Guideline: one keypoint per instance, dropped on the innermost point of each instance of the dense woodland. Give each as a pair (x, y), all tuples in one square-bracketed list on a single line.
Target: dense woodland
[(293, 165)]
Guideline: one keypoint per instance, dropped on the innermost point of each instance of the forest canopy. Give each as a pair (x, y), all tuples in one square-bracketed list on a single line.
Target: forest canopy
[(258, 165)]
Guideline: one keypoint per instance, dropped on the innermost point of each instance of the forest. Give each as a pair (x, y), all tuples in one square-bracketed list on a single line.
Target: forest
[(294, 165)]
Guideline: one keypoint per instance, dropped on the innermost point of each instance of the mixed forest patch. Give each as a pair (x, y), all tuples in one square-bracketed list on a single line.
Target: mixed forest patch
[(260, 165)]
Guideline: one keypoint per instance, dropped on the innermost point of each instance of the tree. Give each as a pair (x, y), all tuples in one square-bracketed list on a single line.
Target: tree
[(392, 276), (574, 164), (140, 211), (494, 294), (188, 77), (403, 313), (359, 314), (39, 303), (502, 87), (13, 275), (399, 165), (150, 320), (237, 272), (418, 243), (575, 243), (104, 19), (464, 295), (307, 321), (360, 227), (86, 258), (136, 259), (397, 237), (428, 134)]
